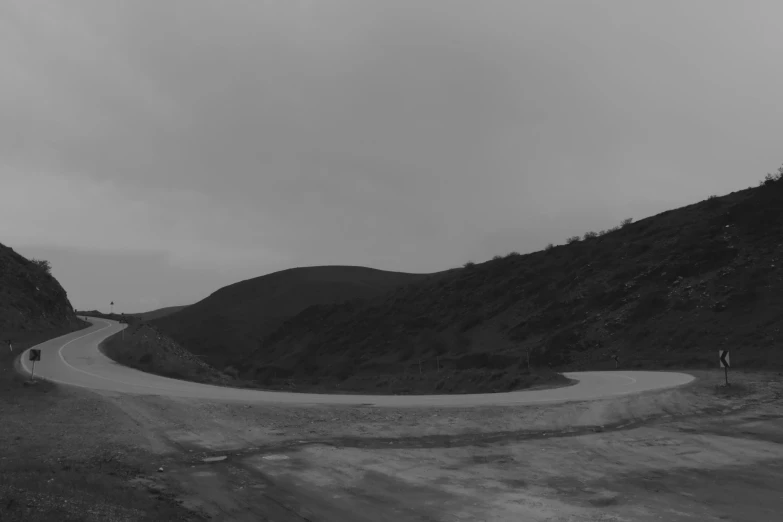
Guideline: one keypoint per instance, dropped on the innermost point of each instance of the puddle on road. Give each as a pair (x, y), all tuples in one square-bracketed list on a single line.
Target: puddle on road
[(275, 457), (214, 459)]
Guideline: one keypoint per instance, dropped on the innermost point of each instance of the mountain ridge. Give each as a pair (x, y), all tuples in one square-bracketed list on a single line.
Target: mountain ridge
[(666, 291)]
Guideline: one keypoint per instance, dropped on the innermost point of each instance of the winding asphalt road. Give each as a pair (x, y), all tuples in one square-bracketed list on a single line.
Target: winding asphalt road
[(74, 359)]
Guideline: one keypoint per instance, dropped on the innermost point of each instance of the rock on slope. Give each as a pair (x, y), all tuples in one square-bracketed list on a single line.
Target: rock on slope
[(230, 323), (31, 299), (667, 291)]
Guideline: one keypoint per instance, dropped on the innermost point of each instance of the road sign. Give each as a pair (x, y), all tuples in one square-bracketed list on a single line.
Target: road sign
[(35, 355), (725, 363)]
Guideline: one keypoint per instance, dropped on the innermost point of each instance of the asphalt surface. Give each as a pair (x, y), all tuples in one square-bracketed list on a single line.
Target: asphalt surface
[(75, 360)]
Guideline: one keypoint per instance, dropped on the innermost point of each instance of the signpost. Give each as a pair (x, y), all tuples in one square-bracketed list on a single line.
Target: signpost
[(35, 355), (725, 363)]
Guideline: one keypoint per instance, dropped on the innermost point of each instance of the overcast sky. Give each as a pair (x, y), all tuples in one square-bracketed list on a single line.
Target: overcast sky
[(156, 150)]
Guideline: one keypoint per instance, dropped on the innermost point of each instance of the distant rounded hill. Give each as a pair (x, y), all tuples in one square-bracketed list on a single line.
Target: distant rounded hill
[(232, 322), (157, 314)]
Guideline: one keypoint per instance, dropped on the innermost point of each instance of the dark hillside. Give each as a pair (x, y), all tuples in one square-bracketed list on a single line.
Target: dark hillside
[(33, 308), (31, 299), (667, 291), (230, 323)]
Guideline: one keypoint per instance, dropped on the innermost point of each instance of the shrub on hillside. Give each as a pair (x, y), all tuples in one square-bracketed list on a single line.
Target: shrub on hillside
[(549, 247), (434, 342), (469, 264), (590, 235), (625, 222), (772, 178), (472, 320), (462, 342), (43, 264), (572, 239), (650, 305), (513, 254), (344, 369), (406, 352)]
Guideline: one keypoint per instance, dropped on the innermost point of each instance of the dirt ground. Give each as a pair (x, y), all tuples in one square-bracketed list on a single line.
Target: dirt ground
[(701, 452), (68, 455)]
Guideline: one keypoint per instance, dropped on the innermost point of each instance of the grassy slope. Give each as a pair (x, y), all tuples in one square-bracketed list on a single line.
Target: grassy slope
[(227, 325), (667, 291), (145, 348)]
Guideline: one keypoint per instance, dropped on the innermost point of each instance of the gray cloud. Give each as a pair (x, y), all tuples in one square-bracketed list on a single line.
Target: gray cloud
[(240, 137)]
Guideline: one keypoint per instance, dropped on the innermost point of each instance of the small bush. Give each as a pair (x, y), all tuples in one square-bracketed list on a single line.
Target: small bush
[(549, 247), (572, 239), (601, 232), (712, 197), (231, 371), (43, 264), (434, 342), (513, 254), (650, 305), (344, 370), (470, 321), (625, 222), (772, 178), (462, 342), (469, 264), (495, 258), (406, 352), (590, 235)]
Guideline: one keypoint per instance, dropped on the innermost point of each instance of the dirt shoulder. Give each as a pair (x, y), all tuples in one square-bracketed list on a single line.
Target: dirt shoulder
[(247, 462), (68, 454)]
